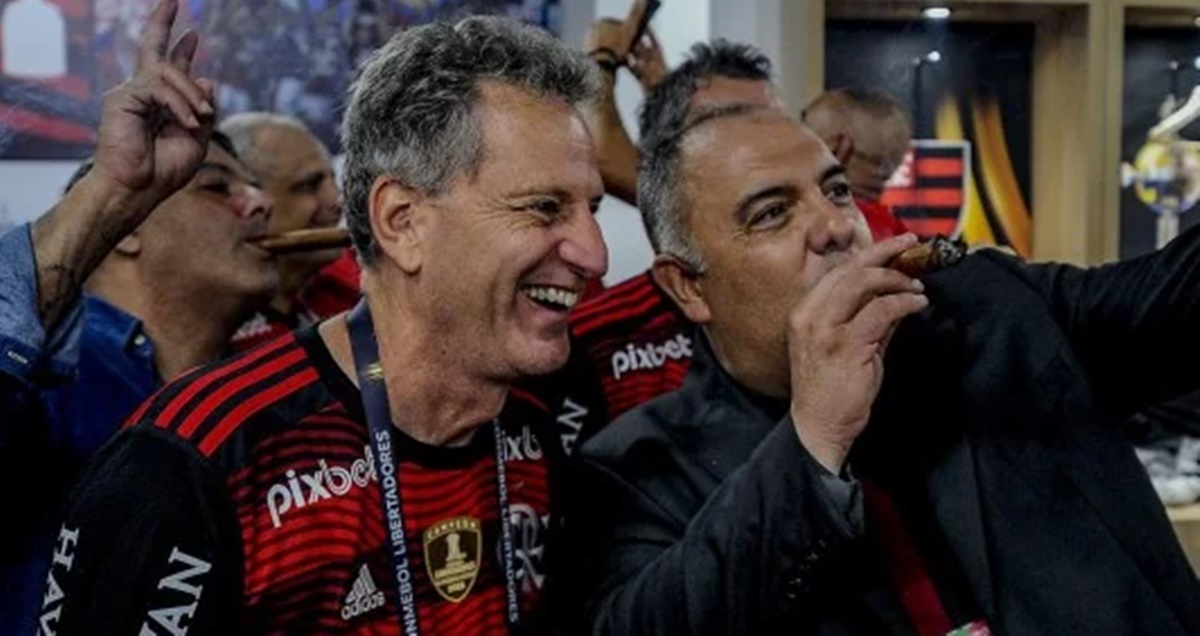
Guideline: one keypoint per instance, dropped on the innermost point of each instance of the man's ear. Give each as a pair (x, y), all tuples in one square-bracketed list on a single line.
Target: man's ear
[(396, 223), (685, 287), (129, 246), (843, 147)]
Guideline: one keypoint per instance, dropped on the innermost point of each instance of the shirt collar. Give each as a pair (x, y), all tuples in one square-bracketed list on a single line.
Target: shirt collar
[(114, 323)]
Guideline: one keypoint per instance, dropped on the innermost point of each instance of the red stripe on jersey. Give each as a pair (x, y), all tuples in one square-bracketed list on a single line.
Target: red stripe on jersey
[(338, 513), (219, 398), (328, 581), (475, 617), (616, 316), (141, 410), (327, 547), (168, 414), (530, 399), (438, 488), (581, 325), (634, 290), (230, 422)]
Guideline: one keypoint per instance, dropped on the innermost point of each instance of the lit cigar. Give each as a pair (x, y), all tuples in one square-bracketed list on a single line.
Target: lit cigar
[(929, 256), (305, 240)]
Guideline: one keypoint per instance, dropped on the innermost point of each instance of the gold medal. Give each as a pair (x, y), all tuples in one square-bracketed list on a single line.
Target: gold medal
[(452, 555)]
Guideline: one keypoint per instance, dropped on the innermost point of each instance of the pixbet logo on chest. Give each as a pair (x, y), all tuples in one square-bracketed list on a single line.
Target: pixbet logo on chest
[(650, 356), (325, 482)]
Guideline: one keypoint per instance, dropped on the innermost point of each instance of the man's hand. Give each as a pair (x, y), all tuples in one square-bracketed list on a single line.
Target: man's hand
[(646, 61), (836, 340), (154, 128), (614, 150), (153, 136), (604, 41)]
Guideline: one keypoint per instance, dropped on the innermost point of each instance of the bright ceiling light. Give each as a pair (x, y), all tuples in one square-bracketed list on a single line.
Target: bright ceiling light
[(934, 56), (936, 13)]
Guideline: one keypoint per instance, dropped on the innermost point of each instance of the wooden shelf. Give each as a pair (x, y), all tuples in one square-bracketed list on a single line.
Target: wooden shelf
[(1186, 521)]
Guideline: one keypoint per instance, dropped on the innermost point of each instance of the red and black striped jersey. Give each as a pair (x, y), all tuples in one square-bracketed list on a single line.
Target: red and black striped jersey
[(631, 344), (244, 498)]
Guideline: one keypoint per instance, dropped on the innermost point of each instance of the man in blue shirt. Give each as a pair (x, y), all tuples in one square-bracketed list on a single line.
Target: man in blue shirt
[(166, 299), (166, 293)]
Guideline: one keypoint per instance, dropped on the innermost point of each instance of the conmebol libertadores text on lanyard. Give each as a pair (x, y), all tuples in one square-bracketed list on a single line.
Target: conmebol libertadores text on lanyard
[(379, 423)]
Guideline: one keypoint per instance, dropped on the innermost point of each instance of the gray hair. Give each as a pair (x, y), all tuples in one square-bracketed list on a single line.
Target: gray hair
[(666, 117), (411, 112), (243, 128)]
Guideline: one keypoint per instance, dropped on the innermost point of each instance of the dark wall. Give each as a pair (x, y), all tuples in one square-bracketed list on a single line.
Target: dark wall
[(977, 59)]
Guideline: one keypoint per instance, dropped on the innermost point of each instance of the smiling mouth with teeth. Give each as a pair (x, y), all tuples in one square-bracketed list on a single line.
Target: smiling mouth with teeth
[(555, 298)]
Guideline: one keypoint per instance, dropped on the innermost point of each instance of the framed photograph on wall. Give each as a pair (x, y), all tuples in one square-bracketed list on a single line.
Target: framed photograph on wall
[(47, 88), (57, 57)]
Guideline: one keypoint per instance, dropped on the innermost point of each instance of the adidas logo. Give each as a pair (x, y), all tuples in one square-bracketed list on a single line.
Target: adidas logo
[(364, 596)]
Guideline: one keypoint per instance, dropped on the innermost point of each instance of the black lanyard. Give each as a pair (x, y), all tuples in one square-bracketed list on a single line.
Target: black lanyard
[(379, 424)]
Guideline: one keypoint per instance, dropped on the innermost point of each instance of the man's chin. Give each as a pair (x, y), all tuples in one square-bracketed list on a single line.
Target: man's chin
[(542, 358)]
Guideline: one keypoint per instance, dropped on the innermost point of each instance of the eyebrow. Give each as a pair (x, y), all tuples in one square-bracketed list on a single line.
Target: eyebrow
[(831, 171), (228, 172), (557, 193), (742, 212), (309, 177)]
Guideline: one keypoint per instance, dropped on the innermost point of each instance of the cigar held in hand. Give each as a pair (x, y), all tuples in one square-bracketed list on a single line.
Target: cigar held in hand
[(305, 240), (929, 256)]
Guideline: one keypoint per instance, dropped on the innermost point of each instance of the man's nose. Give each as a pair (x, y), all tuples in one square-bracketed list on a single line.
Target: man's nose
[(834, 230), (256, 202), (583, 248)]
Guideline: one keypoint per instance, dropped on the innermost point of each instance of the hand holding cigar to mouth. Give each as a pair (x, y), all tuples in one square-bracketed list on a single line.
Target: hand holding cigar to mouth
[(305, 240), (929, 256)]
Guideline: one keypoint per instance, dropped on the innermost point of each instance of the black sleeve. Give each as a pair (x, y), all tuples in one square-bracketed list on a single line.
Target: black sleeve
[(576, 399), (745, 564), (149, 545), (1135, 325)]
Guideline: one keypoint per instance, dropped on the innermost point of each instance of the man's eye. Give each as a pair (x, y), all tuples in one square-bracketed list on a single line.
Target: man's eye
[(548, 207), (217, 187), (840, 194), (768, 215), (310, 186)]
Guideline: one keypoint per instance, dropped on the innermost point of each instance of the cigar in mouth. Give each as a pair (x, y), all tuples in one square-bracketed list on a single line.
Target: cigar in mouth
[(305, 240), (929, 256)]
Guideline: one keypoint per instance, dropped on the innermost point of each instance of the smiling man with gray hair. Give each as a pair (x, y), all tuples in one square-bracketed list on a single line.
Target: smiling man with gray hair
[(360, 475)]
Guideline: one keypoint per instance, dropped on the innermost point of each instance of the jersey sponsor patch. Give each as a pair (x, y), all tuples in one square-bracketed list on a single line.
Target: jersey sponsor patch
[(185, 586), (61, 564), (364, 595), (323, 482), (452, 551), (650, 356)]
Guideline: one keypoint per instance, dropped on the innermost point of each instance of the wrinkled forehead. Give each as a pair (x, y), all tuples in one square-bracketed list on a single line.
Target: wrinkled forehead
[(725, 154), (284, 152), (524, 133)]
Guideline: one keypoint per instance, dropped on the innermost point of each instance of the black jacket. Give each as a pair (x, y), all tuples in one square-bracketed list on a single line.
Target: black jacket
[(997, 432)]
